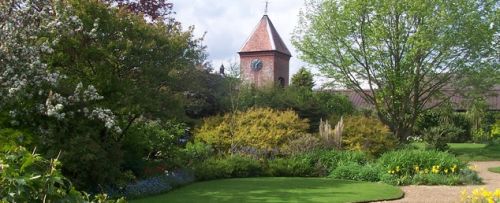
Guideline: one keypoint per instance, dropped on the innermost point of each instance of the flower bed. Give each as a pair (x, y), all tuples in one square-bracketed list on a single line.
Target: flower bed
[(154, 185), (419, 167)]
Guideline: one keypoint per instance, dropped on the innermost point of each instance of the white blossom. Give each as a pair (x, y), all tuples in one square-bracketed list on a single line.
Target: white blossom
[(23, 74)]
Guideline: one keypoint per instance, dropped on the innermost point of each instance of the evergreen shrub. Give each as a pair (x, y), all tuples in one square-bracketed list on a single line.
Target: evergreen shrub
[(231, 166)]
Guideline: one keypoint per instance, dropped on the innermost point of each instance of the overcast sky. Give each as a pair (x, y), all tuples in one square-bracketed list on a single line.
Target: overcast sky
[(228, 23)]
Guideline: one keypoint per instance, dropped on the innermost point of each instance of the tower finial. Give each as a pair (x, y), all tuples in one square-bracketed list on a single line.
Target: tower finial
[(267, 5)]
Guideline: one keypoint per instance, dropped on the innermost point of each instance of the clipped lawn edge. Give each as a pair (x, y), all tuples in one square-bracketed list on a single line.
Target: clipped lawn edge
[(387, 199), (401, 194), (494, 169)]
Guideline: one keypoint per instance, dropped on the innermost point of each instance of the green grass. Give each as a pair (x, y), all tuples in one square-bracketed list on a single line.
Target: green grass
[(495, 169), (470, 151), (267, 190), (476, 152)]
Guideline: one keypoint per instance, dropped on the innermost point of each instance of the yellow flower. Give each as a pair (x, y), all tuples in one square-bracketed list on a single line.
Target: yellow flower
[(435, 169), (480, 195), (397, 168), (446, 171), (486, 194), (426, 171), (453, 168), (497, 193), (464, 195), (417, 169), (476, 192)]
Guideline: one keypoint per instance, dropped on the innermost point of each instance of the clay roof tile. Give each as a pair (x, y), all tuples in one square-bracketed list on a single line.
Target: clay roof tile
[(265, 38)]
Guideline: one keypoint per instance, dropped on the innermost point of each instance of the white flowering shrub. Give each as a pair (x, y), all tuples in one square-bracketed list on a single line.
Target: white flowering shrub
[(34, 96), (25, 77), (77, 75)]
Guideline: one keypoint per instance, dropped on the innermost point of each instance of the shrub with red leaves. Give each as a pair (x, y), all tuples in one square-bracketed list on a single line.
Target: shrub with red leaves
[(154, 9)]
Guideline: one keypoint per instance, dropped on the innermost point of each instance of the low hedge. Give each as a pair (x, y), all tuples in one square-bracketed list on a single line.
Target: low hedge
[(235, 166), (311, 164), (355, 171)]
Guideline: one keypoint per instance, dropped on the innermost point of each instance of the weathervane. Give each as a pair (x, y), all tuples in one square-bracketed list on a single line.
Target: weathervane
[(267, 5)]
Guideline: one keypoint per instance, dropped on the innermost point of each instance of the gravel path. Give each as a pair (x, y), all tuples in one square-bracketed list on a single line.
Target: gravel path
[(444, 194)]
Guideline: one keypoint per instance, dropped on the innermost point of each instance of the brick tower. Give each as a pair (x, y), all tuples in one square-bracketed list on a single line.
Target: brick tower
[(264, 58)]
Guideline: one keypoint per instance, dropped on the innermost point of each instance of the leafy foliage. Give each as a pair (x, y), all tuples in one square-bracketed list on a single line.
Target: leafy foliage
[(154, 9), (354, 171), (27, 177), (425, 167), (94, 72), (162, 138), (11, 137), (303, 144), (445, 125), (150, 142), (314, 163), (207, 94), (400, 167), (303, 79), (308, 104), (261, 129), (405, 51), (367, 134), (407, 160), (495, 129), (196, 152), (234, 166), (438, 137), (142, 76), (295, 166)]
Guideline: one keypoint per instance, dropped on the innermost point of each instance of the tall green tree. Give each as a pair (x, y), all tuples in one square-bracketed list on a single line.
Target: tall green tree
[(77, 75), (137, 66), (303, 78), (398, 54)]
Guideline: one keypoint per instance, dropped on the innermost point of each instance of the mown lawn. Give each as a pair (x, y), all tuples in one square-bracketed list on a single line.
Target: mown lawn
[(476, 152), (277, 189), (495, 169), (470, 151)]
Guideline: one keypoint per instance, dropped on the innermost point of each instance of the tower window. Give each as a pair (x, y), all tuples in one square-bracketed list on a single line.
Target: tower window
[(281, 82)]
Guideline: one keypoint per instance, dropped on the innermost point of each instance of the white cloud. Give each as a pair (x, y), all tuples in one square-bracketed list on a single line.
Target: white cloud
[(228, 23)]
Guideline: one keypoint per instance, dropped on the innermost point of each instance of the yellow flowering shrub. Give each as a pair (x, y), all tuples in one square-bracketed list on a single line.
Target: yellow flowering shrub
[(262, 129), (480, 195), (495, 130), (367, 134)]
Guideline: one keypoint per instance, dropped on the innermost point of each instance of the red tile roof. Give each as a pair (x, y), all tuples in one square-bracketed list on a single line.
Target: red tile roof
[(265, 38), (492, 98)]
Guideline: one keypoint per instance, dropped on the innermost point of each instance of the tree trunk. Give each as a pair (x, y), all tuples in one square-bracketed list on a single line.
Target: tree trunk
[(401, 131)]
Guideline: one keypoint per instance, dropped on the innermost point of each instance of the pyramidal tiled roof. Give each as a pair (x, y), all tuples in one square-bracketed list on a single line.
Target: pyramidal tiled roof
[(265, 38)]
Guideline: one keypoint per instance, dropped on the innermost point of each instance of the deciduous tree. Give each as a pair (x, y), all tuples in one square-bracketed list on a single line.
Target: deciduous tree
[(398, 54)]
